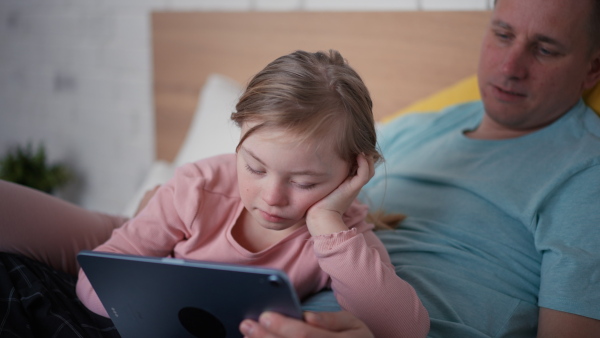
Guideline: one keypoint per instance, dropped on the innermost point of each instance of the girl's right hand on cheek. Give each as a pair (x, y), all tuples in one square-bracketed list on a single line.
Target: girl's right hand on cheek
[(325, 216)]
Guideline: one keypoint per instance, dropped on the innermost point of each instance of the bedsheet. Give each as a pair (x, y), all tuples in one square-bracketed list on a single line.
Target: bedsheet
[(38, 301)]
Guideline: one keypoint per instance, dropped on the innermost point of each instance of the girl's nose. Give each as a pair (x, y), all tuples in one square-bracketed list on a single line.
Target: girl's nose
[(274, 193)]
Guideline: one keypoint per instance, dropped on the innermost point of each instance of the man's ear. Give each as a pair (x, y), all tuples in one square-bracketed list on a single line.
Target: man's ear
[(593, 75)]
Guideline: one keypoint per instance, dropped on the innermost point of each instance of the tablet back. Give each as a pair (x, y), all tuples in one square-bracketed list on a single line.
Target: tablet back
[(167, 297)]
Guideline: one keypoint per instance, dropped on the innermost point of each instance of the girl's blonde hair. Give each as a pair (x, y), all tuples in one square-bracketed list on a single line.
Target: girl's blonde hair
[(314, 96)]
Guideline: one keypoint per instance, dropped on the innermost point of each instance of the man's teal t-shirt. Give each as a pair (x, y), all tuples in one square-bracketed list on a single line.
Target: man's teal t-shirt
[(495, 229)]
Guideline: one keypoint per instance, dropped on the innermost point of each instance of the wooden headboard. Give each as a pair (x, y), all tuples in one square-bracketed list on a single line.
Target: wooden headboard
[(401, 56)]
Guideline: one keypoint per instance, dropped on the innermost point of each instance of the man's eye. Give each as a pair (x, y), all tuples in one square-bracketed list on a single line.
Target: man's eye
[(546, 52), (502, 35)]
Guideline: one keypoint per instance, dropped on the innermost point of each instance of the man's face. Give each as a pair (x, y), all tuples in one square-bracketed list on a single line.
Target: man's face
[(536, 59)]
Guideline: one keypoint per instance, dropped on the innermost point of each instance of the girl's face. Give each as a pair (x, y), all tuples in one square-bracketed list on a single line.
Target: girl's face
[(280, 178)]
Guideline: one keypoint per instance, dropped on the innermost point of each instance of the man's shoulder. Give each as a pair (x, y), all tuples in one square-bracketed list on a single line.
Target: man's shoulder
[(591, 122), (453, 112), (460, 116), (464, 108), (580, 127)]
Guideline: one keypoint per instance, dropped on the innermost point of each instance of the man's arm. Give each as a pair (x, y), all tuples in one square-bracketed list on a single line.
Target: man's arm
[(558, 324), (316, 324)]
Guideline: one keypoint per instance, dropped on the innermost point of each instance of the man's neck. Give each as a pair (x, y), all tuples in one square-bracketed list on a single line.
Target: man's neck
[(491, 130)]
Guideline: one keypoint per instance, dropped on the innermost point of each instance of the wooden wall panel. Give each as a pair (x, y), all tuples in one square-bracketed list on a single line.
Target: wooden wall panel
[(402, 56)]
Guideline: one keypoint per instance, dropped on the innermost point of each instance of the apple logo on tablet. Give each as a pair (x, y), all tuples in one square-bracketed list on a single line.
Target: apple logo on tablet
[(201, 323)]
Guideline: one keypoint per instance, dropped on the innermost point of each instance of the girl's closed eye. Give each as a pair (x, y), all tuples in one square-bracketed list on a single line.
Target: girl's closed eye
[(305, 186), (253, 171)]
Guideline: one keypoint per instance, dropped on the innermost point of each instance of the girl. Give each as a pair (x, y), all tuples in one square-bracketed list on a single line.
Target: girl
[(286, 198)]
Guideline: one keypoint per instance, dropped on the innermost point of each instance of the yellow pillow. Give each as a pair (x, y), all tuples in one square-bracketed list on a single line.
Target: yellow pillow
[(467, 90), (592, 98)]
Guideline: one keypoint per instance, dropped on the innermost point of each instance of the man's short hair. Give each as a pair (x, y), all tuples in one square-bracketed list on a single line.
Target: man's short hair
[(593, 24)]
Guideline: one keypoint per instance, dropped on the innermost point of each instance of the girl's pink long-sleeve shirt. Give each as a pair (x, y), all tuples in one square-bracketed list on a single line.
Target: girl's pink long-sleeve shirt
[(192, 217)]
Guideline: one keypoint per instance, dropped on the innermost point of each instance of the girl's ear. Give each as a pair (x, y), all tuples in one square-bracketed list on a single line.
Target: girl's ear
[(593, 75)]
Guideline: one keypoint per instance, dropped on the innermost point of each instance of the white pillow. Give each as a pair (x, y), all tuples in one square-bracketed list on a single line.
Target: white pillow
[(212, 132), (160, 172)]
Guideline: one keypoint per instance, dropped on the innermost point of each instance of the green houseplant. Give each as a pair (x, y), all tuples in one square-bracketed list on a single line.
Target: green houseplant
[(26, 166)]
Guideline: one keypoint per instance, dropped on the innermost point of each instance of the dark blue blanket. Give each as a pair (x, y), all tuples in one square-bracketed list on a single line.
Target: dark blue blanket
[(39, 301)]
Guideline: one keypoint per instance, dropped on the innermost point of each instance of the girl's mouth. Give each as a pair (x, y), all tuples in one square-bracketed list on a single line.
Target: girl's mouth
[(270, 217)]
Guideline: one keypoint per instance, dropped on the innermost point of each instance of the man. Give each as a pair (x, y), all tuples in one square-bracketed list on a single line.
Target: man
[(503, 229)]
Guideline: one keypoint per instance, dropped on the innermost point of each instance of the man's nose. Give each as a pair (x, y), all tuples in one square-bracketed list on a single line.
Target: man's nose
[(515, 64)]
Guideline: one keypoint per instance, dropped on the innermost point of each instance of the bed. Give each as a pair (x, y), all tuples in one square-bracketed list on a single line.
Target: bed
[(411, 61), (201, 60)]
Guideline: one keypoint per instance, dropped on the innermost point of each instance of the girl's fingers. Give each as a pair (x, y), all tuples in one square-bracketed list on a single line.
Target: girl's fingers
[(366, 169)]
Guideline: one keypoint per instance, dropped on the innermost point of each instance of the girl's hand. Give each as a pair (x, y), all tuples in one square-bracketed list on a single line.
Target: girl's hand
[(325, 216)]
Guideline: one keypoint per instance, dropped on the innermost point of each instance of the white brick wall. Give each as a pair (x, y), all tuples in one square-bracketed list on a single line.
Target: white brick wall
[(277, 5), (357, 5), (76, 75), (454, 5)]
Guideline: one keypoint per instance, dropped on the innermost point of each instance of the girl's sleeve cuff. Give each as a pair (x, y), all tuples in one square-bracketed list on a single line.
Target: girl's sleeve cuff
[(329, 242)]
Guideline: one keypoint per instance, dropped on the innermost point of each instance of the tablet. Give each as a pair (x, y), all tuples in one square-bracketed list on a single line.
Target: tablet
[(170, 297)]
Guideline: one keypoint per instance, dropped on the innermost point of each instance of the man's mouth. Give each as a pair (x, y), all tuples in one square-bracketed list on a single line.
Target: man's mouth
[(507, 92)]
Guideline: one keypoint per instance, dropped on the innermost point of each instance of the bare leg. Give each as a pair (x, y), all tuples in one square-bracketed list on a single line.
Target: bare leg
[(49, 229)]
